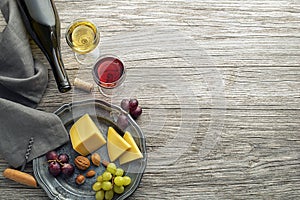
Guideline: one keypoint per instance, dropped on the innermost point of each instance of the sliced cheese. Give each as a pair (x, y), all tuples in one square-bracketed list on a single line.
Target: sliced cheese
[(131, 154), (85, 136), (116, 145)]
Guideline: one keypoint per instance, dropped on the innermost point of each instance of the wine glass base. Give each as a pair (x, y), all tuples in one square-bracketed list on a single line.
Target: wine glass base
[(89, 58), (111, 92)]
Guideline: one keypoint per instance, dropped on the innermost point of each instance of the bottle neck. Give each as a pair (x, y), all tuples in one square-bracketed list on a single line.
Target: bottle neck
[(57, 66)]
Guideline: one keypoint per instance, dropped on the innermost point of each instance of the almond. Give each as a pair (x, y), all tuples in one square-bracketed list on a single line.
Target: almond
[(96, 159), (82, 162), (105, 163), (90, 174)]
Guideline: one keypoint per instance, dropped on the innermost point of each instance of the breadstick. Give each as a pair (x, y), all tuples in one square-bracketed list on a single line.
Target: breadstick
[(20, 177)]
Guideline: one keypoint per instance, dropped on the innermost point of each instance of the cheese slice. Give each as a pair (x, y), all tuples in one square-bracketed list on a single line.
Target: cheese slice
[(116, 145), (131, 154), (85, 136)]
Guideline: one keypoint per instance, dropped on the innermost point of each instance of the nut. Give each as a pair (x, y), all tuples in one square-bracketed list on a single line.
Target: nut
[(80, 179), (96, 159), (90, 174), (82, 162), (105, 163)]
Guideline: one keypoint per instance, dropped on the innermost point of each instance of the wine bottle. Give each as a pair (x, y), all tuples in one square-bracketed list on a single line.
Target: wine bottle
[(42, 23)]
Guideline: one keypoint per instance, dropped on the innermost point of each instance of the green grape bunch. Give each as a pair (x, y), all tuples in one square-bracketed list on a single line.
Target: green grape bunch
[(110, 182)]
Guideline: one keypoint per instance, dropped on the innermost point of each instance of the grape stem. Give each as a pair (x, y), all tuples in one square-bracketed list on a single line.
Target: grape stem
[(59, 161), (112, 181)]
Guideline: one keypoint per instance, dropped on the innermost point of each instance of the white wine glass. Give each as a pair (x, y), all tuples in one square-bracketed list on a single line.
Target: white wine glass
[(83, 36)]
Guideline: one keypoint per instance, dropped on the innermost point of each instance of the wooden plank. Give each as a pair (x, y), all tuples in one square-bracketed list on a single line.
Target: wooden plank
[(239, 105)]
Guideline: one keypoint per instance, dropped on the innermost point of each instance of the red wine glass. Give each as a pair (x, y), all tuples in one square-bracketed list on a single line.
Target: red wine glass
[(109, 73)]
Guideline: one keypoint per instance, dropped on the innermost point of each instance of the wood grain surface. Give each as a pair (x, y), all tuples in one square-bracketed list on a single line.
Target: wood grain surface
[(226, 127)]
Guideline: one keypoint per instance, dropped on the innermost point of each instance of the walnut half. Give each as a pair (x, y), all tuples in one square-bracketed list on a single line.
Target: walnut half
[(82, 162)]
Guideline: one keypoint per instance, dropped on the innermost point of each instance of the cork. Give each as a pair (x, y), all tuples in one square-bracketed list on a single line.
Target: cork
[(83, 85)]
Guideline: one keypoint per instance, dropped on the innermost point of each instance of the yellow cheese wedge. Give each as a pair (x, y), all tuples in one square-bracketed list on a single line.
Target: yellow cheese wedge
[(85, 136), (116, 145), (131, 154)]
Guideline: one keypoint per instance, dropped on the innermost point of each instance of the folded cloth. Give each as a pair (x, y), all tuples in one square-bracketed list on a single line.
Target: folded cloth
[(19, 123), (23, 81)]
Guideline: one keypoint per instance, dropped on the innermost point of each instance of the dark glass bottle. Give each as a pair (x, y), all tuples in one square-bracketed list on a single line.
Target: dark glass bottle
[(42, 23)]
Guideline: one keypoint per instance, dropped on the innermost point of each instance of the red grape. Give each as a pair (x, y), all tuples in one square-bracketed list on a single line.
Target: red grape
[(51, 155), (54, 168), (133, 103), (122, 121), (136, 113), (125, 104), (67, 169), (63, 158)]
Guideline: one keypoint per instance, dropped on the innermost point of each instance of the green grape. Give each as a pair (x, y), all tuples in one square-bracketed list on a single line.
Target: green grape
[(111, 167), (119, 181), (126, 180), (118, 189), (99, 195), (97, 186), (109, 194), (100, 178), (106, 176), (119, 172), (106, 185)]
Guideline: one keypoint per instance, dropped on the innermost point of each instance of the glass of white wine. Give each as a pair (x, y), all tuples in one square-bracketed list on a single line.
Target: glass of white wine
[(83, 36)]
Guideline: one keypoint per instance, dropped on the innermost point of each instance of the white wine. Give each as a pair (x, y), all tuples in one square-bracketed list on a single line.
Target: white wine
[(82, 36)]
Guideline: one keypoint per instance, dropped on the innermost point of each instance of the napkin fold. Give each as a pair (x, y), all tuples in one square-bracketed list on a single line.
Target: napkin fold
[(23, 81)]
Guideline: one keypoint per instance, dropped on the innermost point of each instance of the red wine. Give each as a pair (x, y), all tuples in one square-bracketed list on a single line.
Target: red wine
[(42, 22), (108, 72)]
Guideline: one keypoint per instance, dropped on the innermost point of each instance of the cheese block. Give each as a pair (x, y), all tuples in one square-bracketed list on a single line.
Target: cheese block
[(116, 145), (85, 136), (131, 154)]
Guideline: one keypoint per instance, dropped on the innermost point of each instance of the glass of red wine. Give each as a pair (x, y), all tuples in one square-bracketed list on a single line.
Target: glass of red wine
[(109, 73)]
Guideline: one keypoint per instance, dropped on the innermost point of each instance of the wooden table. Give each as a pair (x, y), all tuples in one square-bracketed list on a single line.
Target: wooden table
[(240, 112)]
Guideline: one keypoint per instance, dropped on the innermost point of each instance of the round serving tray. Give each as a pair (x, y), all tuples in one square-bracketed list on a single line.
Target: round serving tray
[(104, 115)]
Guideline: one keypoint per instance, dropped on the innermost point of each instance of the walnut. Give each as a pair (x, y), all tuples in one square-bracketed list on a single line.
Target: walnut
[(80, 179), (82, 162)]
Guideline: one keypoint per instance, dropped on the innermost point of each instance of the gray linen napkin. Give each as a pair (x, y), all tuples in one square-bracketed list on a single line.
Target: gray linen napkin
[(23, 81)]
